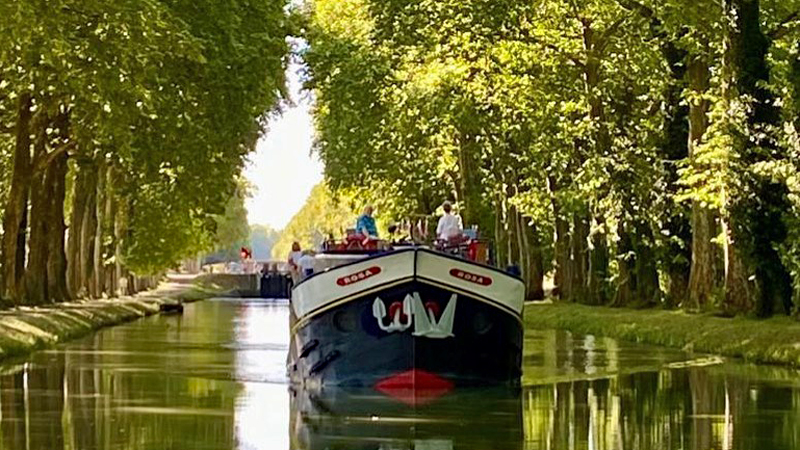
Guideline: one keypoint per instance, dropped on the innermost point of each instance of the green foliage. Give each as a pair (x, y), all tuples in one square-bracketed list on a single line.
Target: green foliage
[(564, 110), (217, 108), (232, 230), (262, 240), (323, 215), (171, 93)]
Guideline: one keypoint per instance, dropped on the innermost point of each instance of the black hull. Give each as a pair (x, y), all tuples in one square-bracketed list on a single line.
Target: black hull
[(345, 345)]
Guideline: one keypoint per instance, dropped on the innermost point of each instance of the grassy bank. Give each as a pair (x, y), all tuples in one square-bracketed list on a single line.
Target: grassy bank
[(23, 330), (771, 341)]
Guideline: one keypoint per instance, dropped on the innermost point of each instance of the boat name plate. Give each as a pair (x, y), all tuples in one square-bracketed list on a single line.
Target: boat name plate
[(358, 276), (483, 280)]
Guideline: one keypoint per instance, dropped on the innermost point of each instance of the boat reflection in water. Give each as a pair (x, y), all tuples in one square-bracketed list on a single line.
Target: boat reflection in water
[(471, 419)]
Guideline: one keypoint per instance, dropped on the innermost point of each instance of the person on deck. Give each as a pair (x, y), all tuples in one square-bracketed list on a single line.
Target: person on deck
[(307, 264), (366, 224), (450, 225), (294, 261)]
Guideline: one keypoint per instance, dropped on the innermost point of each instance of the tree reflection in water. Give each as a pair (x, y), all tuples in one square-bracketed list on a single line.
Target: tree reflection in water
[(214, 379), (725, 406)]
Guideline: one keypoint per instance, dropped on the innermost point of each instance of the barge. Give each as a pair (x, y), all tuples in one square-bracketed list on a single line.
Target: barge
[(409, 319)]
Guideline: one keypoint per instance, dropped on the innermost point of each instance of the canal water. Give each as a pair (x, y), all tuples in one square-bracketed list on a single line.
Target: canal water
[(214, 378)]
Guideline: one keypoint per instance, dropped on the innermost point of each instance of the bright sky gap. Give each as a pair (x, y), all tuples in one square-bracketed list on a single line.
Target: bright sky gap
[(282, 168)]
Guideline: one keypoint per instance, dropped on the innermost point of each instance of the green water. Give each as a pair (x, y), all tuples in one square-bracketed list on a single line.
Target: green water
[(214, 379)]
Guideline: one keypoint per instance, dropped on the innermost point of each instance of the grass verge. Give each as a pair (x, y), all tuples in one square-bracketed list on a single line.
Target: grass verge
[(768, 341), (23, 330)]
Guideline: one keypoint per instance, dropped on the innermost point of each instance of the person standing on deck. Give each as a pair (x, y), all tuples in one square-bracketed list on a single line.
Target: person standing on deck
[(450, 224), (294, 261), (366, 224), (306, 263)]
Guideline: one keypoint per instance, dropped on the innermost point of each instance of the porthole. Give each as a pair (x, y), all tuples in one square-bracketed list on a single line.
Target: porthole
[(481, 323), (345, 321)]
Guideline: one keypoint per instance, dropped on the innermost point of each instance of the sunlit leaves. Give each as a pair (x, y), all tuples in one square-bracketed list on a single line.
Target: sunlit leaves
[(173, 93), (543, 103)]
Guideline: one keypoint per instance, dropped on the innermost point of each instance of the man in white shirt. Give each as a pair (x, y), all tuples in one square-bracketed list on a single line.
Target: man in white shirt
[(450, 225), (307, 264)]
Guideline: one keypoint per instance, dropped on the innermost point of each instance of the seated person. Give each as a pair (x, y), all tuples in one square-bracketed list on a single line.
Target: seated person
[(450, 226), (366, 224)]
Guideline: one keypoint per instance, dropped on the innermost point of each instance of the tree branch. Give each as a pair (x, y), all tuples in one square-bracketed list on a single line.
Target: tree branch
[(605, 36), (785, 27), (575, 59), (575, 9), (645, 11), (525, 36), (47, 159)]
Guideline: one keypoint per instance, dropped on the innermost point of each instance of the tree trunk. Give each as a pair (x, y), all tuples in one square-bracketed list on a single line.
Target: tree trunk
[(678, 249), (74, 246), (648, 292), (795, 77), (598, 254), (626, 287), (499, 232), (738, 291), (795, 82), (36, 270), (120, 219), (464, 181), (112, 205), (98, 277), (579, 258), (16, 208), (512, 231), (638, 275), (534, 273), (88, 231), (598, 265), (701, 275), (56, 256), (522, 255), (473, 209), (703, 270), (757, 221), (560, 275)]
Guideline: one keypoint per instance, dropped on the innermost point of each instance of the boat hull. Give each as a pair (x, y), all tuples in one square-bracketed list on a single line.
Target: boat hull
[(409, 333)]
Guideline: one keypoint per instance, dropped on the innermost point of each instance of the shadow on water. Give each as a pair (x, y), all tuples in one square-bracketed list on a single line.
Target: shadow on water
[(214, 378)]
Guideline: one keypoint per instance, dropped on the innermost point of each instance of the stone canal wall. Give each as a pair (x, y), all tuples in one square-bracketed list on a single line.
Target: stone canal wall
[(23, 330), (245, 285), (231, 285), (769, 341)]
